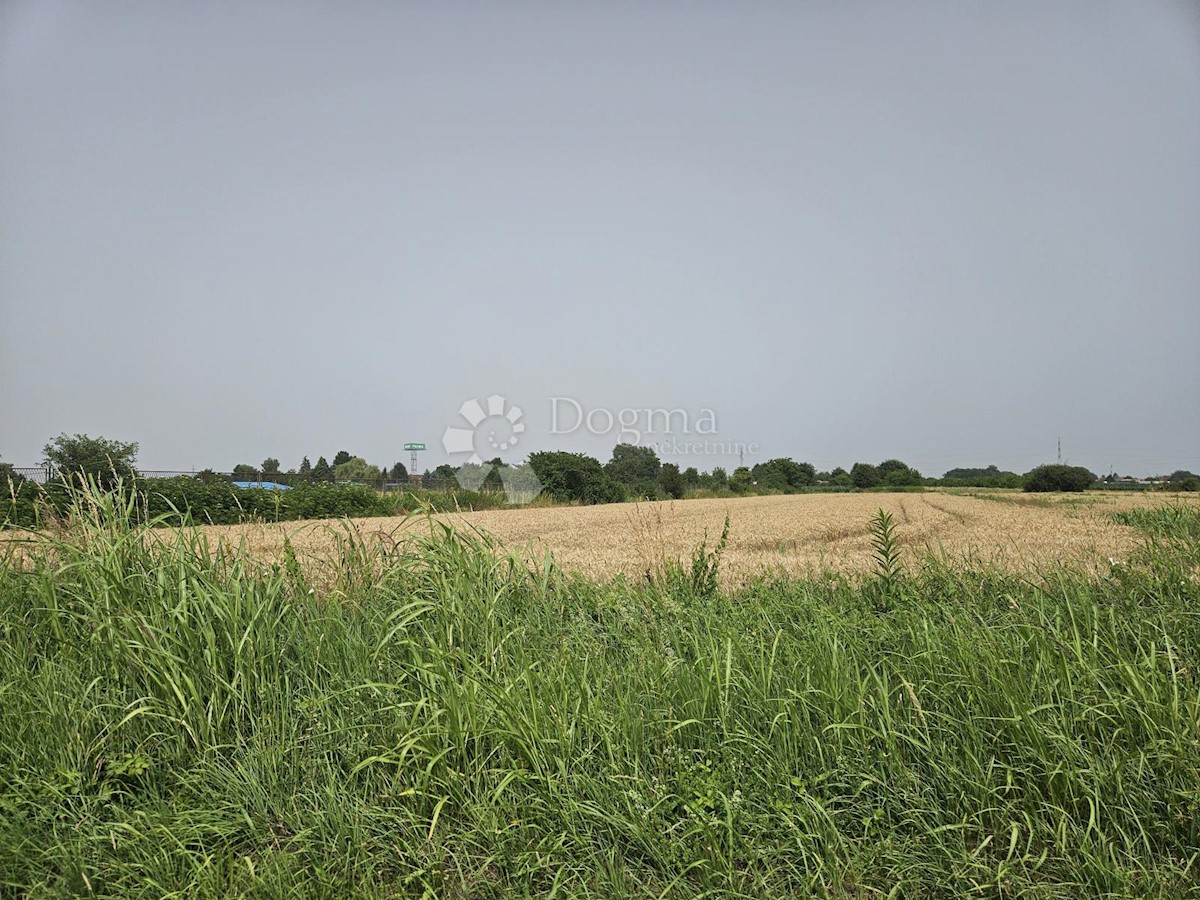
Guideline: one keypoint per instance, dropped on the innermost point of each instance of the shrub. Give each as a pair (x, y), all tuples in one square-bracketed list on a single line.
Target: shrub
[(839, 477), (575, 477), (671, 481), (19, 502), (220, 503), (741, 480), (896, 473), (1003, 480), (358, 470), (634, 466), (783, 474), (990, 477), (864, 475), (1059, 478), (1182, 480)]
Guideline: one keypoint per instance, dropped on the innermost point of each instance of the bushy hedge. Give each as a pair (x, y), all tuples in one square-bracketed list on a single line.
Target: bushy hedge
[(211, 502), (1002, 480), (1059, 478), (223, 504), (220, 503), (575, 478), (21, 501)]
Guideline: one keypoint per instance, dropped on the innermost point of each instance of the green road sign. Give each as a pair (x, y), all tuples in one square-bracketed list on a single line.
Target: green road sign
[(414, 446)]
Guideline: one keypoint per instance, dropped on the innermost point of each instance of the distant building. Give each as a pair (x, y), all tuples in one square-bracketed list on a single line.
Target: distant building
[(265, 485)]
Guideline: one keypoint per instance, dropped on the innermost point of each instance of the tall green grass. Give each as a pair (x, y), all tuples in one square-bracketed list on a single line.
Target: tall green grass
[(440, 720), (1173, 521)]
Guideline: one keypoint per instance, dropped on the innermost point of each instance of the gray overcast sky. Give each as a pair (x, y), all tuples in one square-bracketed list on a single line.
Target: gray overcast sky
[(947, 232)]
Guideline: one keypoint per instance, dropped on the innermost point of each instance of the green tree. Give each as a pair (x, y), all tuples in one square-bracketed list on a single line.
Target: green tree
[(896, 473), (671, 481), (270, 466), (575, 477), (343, 456), (520, 483), (468, 476), (244, 472), (357, 470), (321, 471), (9, 477), (78, 456), (969, 474), (719, 478), (636, 468), (783, 474), (1059, 478), (399, 473), (991, 477), (741, 481), (444, 477), (841, 478), (305, 468), (492, 481), (864, 475)]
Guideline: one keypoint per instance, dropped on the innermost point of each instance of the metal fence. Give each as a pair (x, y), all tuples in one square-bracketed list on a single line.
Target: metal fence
[(44, 474), (40, 474)]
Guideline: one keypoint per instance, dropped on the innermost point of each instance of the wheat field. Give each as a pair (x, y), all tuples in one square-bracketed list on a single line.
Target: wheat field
[(793, 534)]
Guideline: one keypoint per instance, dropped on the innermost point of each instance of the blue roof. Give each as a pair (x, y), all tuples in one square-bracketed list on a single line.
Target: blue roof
[(265, 485)]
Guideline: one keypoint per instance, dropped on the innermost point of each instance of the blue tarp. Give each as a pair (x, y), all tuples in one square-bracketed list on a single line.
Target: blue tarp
[(265, 485)]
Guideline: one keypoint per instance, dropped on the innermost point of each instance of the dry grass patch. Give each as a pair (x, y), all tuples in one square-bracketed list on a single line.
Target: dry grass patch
[(792, 534)]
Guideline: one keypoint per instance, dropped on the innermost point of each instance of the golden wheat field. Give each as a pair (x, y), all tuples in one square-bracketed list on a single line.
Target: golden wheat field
[(794, 534)]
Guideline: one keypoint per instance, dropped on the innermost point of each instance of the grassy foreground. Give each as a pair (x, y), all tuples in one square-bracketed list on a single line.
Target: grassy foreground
[(440, 721)]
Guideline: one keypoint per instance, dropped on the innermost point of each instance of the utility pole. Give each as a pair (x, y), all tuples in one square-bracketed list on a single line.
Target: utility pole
[(1060, 451)]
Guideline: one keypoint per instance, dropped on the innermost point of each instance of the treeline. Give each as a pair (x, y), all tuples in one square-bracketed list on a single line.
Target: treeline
[(345, 468), (640, 474), (80, 463), (349, 486), (990, 477), (636, 473)]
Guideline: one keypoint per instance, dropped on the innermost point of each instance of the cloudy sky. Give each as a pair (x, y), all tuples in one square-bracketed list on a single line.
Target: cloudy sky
[(947, 232)]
